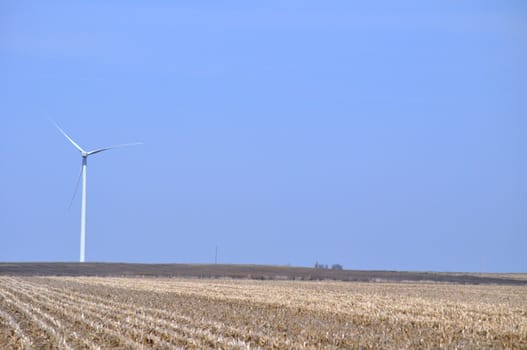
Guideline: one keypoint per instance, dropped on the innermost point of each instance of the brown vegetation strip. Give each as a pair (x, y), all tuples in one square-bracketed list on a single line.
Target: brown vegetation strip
[(259, 272), (165, 313)]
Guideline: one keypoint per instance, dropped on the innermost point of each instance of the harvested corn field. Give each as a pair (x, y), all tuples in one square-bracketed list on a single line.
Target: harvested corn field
[(164, 313)]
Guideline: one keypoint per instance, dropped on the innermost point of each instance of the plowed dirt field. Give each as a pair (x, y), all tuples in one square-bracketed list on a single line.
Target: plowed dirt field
[(169, 313)]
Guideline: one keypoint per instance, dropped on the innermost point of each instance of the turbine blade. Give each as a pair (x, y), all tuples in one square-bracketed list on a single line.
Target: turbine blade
[(69, 138), (76, 188), (112, 147)]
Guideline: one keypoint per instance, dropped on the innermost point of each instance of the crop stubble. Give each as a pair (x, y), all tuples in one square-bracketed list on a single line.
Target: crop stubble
[(163, 313)]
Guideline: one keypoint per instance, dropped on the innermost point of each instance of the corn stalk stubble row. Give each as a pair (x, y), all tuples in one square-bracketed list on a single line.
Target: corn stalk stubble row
[(135, 313)]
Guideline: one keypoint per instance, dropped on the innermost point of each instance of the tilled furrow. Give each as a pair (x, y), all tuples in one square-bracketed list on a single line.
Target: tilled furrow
[(153, 313), (45, 331), (211, 334), (140, 328), (102, 333), (214, 331), (78, 324), (12, 335)]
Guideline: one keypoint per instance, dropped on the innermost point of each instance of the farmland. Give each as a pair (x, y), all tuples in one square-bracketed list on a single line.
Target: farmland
[(75, 312)]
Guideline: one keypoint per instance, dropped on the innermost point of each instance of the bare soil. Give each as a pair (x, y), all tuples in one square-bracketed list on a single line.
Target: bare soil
[(257, 272)]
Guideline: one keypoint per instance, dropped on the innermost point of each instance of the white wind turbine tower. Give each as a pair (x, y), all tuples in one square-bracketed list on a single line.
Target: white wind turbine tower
[(85, 155)]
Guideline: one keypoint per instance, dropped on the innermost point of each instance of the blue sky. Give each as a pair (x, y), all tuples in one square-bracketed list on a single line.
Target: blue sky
[(374, 134)]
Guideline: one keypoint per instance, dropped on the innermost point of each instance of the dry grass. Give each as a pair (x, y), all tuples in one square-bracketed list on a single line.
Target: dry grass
[(141, 313)]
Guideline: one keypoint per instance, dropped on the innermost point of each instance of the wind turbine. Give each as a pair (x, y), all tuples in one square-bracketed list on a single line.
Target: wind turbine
[(85, 155)]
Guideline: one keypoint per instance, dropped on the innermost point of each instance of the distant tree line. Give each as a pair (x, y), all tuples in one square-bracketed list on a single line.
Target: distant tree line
[(326, 266)]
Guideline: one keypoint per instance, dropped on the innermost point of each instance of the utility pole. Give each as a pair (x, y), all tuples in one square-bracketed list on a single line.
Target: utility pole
[(216, 255)]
